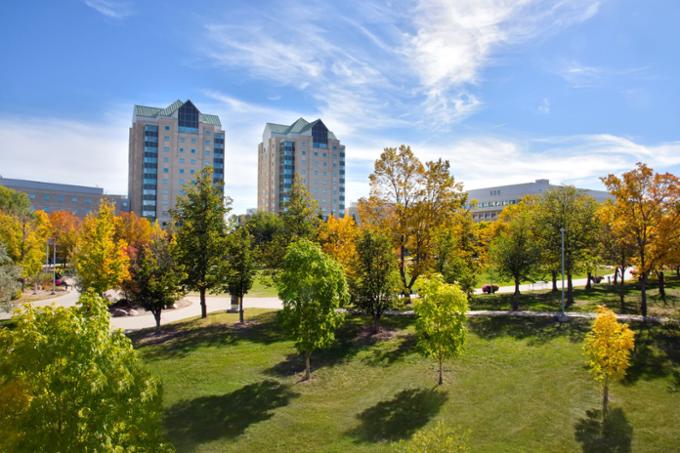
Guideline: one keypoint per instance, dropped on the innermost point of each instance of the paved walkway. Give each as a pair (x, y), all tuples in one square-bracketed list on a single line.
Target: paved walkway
[(215, 304)]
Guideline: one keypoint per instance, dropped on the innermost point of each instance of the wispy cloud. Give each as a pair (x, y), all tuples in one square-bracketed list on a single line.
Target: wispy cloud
[(579, 75), (544, 106), (111, 8), (388, 64)]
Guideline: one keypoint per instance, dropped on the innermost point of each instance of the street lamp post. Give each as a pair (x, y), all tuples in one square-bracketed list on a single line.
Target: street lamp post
[(562, 315), (54, 266)]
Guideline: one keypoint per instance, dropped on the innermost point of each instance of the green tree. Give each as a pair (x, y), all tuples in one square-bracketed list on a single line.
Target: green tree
[(239, 265), (69, 383), (312, 287), (9, 278), (100, 260), (200, 221), (301, 215), (375, 280), (14, 203), (571, 209), (266, 229), (156, 278), (441, 318), (513, 251), (608, 346)]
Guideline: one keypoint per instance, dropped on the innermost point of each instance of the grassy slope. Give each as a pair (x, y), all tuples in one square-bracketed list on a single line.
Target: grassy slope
[(520, 386), (587, 300)]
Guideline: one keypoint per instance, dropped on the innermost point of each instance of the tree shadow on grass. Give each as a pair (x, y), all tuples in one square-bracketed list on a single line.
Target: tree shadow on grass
[(348, 342), (207, 418), (536, 331), (656, 353), (399, 417), (179, 339), (614, 435), (383, 356)]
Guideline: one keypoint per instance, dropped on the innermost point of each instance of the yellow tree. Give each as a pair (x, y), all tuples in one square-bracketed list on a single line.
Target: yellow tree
[(25, 236), (101, 261), (647, 204), (608, 346), (616, 244), (338, 239)]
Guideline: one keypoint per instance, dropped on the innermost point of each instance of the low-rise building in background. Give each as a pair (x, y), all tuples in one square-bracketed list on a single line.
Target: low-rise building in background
[(492, 200), (51, 197)]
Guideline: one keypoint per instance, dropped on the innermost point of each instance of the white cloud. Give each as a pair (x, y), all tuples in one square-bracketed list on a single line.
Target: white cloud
[(544, 106), (413, 63), (69, 152), (111, 8), (456, 39)]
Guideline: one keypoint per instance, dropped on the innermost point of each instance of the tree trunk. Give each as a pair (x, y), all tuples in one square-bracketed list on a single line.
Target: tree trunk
[(308, 367), (643, 294), (616, 276), (204, 309), (589, 278), (157, 317), (515, 296), (554, 281), (240, 309), (441, 372), (677, 271), (622, 288), (570, 290), (605, 398), (662, 286)]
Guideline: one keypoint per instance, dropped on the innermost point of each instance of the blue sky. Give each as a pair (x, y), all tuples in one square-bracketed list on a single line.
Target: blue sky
[(508, 91)]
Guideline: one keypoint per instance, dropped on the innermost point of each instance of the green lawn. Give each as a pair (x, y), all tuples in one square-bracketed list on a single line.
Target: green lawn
[(521, 385), (587, 300)]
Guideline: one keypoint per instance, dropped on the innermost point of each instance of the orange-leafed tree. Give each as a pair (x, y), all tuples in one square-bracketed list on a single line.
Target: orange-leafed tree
[(411, 200), (607, 347), (137, 232), (65, 232), (100, 260), (647, 204)]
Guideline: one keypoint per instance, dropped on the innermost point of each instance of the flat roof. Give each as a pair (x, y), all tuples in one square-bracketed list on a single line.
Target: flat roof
[(40, 185)]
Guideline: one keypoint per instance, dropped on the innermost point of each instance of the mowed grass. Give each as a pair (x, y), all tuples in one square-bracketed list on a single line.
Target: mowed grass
[(521, 385), (587, 300)]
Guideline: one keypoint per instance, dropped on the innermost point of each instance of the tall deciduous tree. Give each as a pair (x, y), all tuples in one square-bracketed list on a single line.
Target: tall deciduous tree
[(608, 346), (239, 265), (301, 215), (200, 221), (374, 279), (571, 209), (14, 203), (69, 383), (616, 245), (411, 200), (101, 262), (312, 287), (156, 278), (646, 203), (514, 252), (65, 227), (267, 229), (441, 317), (338, 238), (459, 249)]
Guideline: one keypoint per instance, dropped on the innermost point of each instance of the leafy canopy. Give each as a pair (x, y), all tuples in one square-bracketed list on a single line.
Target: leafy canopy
[(441, 319), (608, 346), (312, 287), (101, 261), (68, 383)]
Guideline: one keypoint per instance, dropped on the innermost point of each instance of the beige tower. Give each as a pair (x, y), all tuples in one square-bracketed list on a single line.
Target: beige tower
[(308, 150), (168, 148)]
